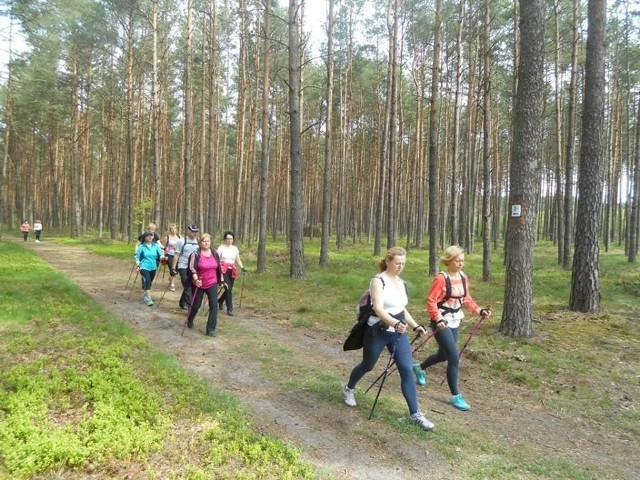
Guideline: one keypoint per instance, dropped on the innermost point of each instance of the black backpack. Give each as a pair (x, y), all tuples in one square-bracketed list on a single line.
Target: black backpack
[(364, 310)]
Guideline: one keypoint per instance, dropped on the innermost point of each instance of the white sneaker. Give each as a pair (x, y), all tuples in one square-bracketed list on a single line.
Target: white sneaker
[(349, 397), (37, 241), (419, 419)]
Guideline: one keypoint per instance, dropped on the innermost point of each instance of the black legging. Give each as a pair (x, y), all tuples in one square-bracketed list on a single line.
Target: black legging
[(185, 279), (147, 277), (447, 350), (228, 296), (212, 318)]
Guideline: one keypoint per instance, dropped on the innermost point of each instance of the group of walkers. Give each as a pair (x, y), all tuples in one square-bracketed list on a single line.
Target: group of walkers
[(389, 323), (204, 271), (212, 272), (201, 269), (25, 228)]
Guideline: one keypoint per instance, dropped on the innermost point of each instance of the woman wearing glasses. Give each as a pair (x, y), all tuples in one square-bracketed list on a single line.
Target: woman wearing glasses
[(230, 260)]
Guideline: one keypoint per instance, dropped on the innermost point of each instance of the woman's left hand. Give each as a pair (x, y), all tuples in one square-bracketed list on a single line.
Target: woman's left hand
[(400, 328)]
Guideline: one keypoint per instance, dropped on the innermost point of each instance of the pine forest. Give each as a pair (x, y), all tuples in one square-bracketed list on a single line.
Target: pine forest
[(364, 121)]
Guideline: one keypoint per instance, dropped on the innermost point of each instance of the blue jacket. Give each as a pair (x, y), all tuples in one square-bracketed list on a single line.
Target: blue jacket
[(148, 256)]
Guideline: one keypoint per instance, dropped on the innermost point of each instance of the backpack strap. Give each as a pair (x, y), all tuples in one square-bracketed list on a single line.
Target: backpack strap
[(445, 309), (184, 244)]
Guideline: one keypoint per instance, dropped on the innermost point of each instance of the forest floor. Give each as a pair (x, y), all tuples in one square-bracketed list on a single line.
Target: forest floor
[(339, 441)]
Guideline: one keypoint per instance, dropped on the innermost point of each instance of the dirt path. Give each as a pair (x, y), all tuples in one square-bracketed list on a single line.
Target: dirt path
[(329, 434)]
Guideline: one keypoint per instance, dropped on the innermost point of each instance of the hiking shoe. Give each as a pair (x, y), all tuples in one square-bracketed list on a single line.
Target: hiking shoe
[(147, 300), (459, 402), (349, 397), (419, 419), (230, 313), (172, 288), (421, 375)]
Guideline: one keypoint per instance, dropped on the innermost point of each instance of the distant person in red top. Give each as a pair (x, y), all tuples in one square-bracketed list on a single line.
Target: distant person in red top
[(445, 311), (25, 228)]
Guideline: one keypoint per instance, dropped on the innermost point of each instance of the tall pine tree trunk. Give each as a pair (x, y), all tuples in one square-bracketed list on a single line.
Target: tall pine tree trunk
[(188, 118), (570, 141), (432, 226), (328, 146), (486, 146), (517, 316), (585, 281), (296, 245), (265, 137)]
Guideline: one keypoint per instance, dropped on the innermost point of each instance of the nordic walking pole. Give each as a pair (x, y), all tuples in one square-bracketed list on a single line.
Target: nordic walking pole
[(244, 274), (133, 284), (164, 267), (385, 374), (163, 294), (186, 320), (393, 369), (475, 329), (222, 290), (129, 279)]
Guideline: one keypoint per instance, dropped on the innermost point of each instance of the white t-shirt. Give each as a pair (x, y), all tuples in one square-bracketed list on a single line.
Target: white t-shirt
[(228, 254), (394, 301), (37, 226)]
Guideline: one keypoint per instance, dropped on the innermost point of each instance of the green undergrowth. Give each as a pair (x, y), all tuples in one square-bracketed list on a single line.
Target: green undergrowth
[(576, 365), (80, 392)]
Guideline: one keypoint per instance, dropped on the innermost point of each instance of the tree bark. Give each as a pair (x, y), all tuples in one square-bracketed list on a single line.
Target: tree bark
[(517, 317), (486, 147), (635, 197), (296, 233), (585, 281), (433, 145), (392, 130), (265, 138), (188, 116), (328, 145), (155, 123)]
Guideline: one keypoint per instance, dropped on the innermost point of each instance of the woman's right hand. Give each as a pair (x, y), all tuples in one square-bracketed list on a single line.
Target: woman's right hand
[(441, 325)]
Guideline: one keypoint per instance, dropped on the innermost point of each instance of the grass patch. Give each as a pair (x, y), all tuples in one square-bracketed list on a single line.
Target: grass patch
[(585, 366), (80, 392)]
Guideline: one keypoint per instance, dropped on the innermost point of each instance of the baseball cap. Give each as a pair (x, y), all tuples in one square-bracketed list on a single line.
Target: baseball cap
[(147, 232), (193, 228)]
